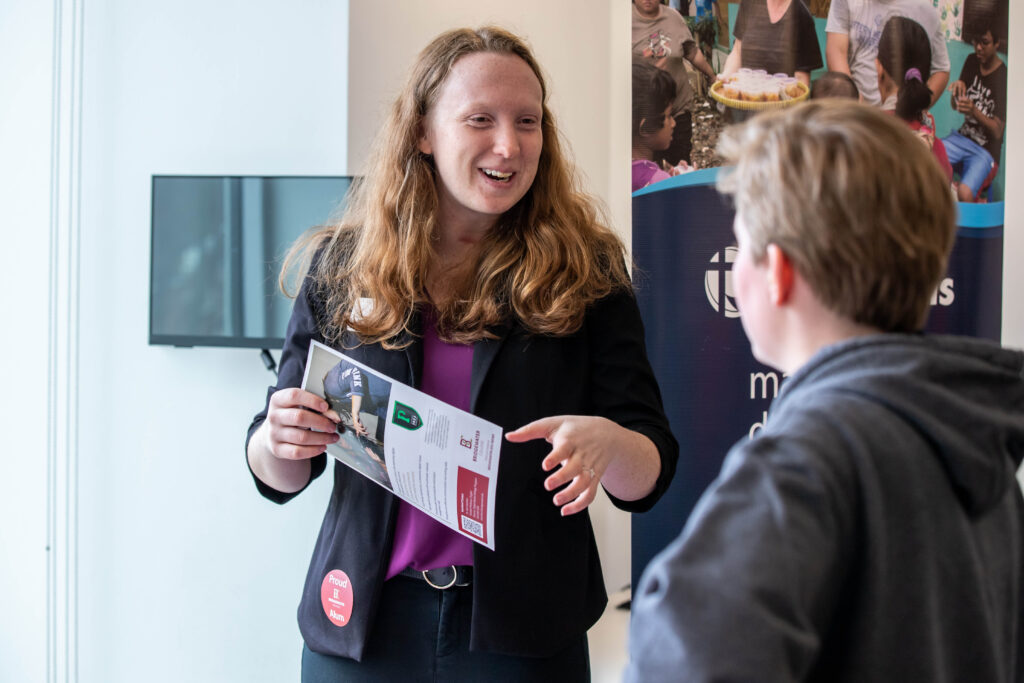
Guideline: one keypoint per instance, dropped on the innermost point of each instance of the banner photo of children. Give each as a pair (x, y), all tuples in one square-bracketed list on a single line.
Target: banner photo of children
[(359, 398), (729, 59), (940, 65)]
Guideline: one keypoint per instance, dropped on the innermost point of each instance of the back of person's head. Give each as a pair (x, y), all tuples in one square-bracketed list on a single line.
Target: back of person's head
[(853, 198), (905, 54), (834, 84), (653, 92)]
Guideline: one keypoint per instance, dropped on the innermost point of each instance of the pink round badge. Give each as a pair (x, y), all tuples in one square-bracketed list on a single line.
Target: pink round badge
[(336, 597)]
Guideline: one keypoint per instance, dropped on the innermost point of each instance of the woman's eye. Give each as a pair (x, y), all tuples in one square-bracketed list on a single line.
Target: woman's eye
[(478, 119)]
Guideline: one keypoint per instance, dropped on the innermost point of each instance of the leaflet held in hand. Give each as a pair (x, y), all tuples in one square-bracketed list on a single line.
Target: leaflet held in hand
[(434, 456)]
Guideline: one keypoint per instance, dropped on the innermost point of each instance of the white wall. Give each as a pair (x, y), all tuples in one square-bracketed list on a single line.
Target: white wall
[(185, 573), (178, 571), (26, 61)]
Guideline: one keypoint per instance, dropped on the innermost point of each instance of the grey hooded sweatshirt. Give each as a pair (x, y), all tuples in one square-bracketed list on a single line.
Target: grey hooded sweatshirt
[(873, 531)]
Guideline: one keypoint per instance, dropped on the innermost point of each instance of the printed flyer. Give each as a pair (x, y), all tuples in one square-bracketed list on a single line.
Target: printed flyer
[(437, 458)]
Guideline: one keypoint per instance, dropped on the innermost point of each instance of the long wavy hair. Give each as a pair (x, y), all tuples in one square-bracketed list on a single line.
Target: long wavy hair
[(544, 261)]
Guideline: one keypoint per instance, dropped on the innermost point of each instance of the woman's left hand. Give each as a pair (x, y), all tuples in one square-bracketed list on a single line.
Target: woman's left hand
[(583, 448)]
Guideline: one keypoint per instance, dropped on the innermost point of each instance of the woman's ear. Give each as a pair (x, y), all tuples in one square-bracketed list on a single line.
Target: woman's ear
[(640, 128), (780, 274), (424, 142)]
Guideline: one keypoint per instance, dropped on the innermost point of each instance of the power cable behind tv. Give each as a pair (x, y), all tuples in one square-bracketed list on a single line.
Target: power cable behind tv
[(268, 361)]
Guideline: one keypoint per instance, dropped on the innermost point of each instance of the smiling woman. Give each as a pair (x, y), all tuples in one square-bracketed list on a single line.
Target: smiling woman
[(496, 287), (484, 134), (453, 133)]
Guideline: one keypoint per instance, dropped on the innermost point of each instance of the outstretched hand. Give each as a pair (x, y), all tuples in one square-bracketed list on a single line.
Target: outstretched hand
[(582, 449)]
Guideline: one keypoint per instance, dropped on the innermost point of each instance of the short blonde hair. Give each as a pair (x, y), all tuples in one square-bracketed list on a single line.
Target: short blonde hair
[(854, 200)]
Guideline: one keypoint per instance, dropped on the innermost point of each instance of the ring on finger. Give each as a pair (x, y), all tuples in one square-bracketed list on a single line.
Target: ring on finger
[(590, 471)]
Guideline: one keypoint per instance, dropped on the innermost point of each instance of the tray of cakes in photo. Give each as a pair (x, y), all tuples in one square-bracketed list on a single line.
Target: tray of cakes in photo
[(755, 89)]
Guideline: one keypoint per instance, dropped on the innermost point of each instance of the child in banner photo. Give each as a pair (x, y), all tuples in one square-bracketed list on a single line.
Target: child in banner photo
[(904, 56), (873, 529), (851, 41), (662, 38), (653, 93), (980, 95), (834, 84)]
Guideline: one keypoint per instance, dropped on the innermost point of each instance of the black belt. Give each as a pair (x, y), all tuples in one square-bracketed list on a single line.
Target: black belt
[(442, 578)]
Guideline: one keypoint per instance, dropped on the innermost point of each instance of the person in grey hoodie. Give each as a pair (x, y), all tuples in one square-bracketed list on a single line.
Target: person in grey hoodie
[(873, 530)]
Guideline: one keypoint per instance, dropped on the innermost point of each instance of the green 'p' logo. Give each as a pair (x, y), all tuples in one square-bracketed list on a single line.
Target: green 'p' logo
[(406, 417)]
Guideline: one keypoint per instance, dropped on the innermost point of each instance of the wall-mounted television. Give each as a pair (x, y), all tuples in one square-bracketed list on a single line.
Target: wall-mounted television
[(216, 249)]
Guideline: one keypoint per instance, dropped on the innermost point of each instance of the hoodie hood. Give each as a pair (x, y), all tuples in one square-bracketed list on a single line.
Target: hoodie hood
[(964, 396)]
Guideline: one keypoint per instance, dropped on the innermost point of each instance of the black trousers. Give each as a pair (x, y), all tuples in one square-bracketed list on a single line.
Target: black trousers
[(422, 634)]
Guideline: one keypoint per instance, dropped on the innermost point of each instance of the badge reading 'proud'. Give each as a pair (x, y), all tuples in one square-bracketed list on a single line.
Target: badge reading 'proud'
[(336, 597)]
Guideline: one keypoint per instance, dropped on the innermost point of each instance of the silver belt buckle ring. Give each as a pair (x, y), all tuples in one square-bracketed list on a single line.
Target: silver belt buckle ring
[(455, 577)]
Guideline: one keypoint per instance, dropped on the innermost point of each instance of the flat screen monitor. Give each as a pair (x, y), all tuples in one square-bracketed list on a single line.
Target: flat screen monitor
[(216, 250)]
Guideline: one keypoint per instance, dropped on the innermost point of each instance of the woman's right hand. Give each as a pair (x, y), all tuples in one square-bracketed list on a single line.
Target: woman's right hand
[(299, 425)]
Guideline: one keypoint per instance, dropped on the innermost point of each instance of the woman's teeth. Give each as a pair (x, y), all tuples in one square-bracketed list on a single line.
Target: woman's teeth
[(496, 175)]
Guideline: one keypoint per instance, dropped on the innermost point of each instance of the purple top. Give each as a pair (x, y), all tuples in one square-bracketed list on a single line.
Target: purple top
[(421, 542), (647, 172)]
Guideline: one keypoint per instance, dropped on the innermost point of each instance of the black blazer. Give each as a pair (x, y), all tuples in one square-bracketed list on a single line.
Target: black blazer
[(542, 586)]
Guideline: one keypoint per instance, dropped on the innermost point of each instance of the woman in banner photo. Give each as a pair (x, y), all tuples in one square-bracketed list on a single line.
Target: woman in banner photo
[(777, 36), (470, 265)]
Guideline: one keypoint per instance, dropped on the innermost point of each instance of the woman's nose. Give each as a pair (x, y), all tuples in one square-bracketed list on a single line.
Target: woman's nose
[(506, 141)]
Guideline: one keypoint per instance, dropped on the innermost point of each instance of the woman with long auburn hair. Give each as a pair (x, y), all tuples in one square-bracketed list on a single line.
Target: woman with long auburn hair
[(469, 264)]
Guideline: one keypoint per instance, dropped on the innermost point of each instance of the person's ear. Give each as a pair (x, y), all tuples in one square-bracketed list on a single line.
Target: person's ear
[(780, 274), (424, 143), (641, 128)]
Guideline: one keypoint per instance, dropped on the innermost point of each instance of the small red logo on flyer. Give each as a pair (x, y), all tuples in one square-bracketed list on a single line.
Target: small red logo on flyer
[(336, 597), (472, 491)]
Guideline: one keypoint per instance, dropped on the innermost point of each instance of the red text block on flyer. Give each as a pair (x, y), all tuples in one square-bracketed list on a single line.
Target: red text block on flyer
[(472, 494)]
